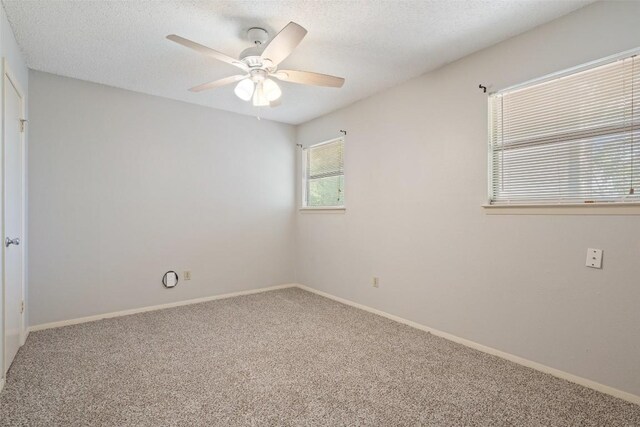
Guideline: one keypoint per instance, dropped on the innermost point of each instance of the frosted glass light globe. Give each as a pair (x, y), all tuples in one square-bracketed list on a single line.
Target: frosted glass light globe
[(244, 89), (271, 90)]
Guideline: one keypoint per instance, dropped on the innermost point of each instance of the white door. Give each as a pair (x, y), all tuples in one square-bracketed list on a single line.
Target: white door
[(13, 220)]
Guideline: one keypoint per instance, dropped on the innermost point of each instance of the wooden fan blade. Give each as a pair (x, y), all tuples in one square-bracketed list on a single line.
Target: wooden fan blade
[(284, 42), (217, 83), (308, 78), (207, 51), (276, 103)]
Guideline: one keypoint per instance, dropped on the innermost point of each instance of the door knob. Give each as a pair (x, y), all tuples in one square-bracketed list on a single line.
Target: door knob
[(8, 242)]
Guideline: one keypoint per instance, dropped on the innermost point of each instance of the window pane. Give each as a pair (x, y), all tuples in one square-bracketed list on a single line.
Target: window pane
[(327, 191), (572, 139)]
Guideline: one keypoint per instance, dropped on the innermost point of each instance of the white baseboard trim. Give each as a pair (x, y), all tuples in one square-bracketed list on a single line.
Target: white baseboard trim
[(23, 337), (1, 384), (151, 308), (629, 397)]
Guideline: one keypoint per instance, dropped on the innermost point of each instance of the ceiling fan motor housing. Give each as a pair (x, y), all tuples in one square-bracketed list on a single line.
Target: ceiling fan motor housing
[(253, 59), (252, 56)]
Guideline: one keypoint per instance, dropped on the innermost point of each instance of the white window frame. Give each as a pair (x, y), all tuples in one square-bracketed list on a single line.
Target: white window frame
[(304, 161), (599, 208)]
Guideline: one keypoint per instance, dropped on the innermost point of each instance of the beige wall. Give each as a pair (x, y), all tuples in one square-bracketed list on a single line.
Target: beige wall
[(125, 186), (416, 177)]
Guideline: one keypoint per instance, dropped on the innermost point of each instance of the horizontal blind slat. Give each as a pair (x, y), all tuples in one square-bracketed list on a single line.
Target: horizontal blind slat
[(571, 138)]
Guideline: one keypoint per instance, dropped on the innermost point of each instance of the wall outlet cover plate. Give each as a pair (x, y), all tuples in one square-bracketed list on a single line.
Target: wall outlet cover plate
[(594, 258)]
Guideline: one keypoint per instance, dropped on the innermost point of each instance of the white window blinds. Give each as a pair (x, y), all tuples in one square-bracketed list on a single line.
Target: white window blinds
[(324, 174), (571, 139)]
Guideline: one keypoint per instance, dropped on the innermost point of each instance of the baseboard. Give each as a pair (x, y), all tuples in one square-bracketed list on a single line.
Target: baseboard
[(629, 397), (152, 308), (23, 337), (1, 384)]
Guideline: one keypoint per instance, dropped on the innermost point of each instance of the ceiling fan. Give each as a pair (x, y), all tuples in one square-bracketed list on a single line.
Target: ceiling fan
[(260, 65)]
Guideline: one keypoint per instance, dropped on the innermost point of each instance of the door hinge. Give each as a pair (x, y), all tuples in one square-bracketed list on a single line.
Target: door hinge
[(23, 122), (22, 307)]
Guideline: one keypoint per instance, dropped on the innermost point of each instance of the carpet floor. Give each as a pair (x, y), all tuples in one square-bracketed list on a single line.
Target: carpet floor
[(286, 357)]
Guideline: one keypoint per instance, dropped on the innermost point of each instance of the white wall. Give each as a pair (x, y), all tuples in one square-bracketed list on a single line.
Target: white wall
[(125, 186), (415, 181)]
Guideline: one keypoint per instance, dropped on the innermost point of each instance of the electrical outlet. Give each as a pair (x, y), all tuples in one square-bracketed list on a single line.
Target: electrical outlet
[(186, 275), (375, 282)]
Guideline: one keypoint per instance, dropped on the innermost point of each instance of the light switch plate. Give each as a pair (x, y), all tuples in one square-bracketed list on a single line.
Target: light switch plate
[(594, 258)]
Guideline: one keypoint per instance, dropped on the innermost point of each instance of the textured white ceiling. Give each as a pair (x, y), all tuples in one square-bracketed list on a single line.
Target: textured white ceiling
[(373, 44)]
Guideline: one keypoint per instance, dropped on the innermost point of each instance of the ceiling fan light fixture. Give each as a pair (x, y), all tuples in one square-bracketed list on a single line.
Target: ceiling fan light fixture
[(259, 97), (244, 89), (259, 64), (271, 90)]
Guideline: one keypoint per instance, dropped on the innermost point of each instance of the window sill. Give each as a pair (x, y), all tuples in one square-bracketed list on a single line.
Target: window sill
[(323, 209), (565, 209)]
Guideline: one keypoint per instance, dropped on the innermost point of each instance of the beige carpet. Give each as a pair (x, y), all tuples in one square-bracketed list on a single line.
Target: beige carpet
[(285, 357)]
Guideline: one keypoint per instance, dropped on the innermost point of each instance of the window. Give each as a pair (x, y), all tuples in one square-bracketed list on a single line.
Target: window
[(572, 138), (324, 174)]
